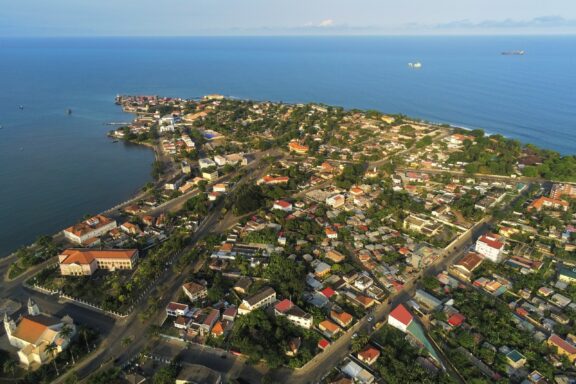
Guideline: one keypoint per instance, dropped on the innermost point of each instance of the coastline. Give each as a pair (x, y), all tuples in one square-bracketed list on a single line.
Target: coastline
[(155, 149), (11, 256)]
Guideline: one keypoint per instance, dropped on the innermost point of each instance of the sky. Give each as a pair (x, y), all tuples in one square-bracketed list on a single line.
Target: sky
[(293, 17)]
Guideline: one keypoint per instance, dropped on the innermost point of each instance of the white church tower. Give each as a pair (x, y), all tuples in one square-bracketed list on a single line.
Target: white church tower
[(33, 309), (9, 325)]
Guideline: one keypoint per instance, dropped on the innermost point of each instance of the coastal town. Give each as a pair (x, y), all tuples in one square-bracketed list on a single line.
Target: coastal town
[(305, 243)]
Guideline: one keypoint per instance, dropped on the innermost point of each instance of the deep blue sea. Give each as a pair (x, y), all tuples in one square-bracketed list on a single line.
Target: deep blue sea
[(56, 168)]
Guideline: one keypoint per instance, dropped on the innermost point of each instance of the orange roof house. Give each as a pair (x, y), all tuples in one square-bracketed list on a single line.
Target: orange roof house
[(369, 355), (546, 202), (329, 328), (217, 329), (344, 319), (295, 146), (84, 262)]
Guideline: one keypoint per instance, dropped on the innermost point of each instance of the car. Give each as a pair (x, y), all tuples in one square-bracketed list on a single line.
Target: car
[(355, 335), (371, 319)]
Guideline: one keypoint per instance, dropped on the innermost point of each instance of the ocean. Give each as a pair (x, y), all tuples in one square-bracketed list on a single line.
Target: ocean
[(55, 168)]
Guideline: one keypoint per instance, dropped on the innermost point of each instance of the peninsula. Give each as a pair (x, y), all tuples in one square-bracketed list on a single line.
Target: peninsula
[(299, 243)]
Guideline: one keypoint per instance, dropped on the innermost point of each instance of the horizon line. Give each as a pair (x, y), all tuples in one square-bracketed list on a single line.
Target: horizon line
[(294, 35)]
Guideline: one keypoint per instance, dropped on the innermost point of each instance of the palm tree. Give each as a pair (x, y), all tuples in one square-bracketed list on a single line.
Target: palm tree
[(51, 350), (66, 333), (10, 366), (84, 332)]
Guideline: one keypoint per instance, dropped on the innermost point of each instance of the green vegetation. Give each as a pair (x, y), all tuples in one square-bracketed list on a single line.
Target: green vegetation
[(491, 320), (43, 249), (397, 361), (260, 336), (248, 199)]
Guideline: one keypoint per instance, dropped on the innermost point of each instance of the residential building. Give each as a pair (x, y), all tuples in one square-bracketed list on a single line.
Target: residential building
[(295, 146), (336, 201), (344, 319), (335, 256), (177, 309), (567, 275), (560, 190), (562, 347), (467, 265), (368, 355), (263, 298), (357, 373), (293, 313), (195, 291), (546, 202), (329, 328), (490, 246), (400, 318), (515, 359), (194, 374), (273, 180), (282, 205), (89, 229), (34, 332), (84, 262)]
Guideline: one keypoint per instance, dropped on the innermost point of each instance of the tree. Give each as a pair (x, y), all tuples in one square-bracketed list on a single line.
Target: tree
[(84, 333), (66, 333), (10, 366), (51, 349)]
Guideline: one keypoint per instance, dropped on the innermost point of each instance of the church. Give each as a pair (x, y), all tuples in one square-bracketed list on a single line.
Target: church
[(35, 334)]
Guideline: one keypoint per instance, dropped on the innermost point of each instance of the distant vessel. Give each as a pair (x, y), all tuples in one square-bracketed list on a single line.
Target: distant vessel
[(415, 65), (21, 107), (68, 111), (513, 53)]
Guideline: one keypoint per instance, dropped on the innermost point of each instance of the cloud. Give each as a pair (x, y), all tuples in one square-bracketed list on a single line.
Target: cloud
[(537, 22), (326, 23)]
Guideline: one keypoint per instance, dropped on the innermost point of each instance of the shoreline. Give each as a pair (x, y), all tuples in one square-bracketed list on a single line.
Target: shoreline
[(157, 156), (128, 199)]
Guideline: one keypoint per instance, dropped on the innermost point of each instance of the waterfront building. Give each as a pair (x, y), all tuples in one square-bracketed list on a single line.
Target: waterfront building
[(84, 262), (85, 231)]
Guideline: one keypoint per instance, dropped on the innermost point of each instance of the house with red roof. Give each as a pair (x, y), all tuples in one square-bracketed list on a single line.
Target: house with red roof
[(456, 319), (293, 313), (282, 205), (369, 355), (562, 347), (323, 344), (400, 318), (328, 292)]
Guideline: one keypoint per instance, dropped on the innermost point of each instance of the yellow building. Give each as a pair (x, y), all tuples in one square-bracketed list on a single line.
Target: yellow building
[(84, 262)]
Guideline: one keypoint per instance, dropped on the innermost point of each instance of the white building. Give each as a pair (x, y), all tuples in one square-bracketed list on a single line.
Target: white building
[(336, 201), (89, 229), (490, 246), (206, 163), (293, 313), (400, 318), (263, 298), (34, 332), (282, 205)]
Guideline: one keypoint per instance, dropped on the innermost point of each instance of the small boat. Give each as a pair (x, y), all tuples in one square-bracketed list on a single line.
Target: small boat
[(21, 107), (514, 53), (114, 141), (68, 111), (415, 65)]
